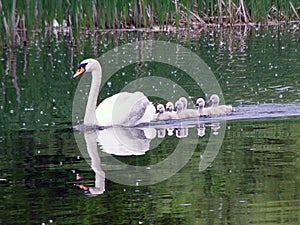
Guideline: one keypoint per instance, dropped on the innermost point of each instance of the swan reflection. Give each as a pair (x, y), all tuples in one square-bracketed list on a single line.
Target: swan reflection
[(201, 130), (180, 132), (215, 128), (121, 141), (126, 141), (183, 131), (116, 141), (90, 138)]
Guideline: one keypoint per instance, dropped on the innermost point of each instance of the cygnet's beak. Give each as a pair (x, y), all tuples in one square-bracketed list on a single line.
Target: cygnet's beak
[(159, 110), (169, 109)]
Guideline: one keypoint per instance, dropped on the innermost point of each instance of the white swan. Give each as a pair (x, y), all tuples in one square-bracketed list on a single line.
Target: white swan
[(216, 109), (200, 103), (185, 113), (169, 107), (164, 115), (124, 108), (184, 102)]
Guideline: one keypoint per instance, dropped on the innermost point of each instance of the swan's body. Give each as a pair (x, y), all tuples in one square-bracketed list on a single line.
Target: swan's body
[(124, 108), (200, 103), (216, 109), (164, 115), (185, 113)]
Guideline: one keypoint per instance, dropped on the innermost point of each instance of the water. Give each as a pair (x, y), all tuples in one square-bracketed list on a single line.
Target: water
[(252, 178)]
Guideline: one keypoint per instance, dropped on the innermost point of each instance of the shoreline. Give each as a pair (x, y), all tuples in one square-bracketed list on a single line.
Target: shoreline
[(194, 29), (72, 18)]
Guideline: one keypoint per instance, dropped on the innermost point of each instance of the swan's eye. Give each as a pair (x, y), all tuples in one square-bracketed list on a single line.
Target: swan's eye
[(79, 71)]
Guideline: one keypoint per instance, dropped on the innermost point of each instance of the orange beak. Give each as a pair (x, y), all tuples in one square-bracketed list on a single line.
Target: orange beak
[(83, 187), (79, 72)]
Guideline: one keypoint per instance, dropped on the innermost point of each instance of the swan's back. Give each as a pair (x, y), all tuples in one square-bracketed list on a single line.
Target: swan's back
[(220, 110), (125, 108), (185, 113)]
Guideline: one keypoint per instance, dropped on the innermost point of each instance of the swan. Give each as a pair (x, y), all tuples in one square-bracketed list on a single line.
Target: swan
[(185, 113), (216, 109), (124, 108), (169, 107), (164, 115), (184, 102), (200, 103)]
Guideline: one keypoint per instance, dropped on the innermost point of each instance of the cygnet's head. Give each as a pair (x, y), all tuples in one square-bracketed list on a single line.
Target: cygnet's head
[(200, 103), (184, 102), (160, 108), (169, 107), (87, 65), (178, 106), (214, 100)]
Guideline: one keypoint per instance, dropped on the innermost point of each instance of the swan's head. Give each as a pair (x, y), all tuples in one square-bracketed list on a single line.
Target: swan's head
[(178, 106), (184, 102), (214, 100), (87, 65), (200, 103), (169, 106), (160, 108)]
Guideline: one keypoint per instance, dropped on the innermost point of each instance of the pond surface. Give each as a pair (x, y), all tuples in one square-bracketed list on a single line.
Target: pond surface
[(242, 168)]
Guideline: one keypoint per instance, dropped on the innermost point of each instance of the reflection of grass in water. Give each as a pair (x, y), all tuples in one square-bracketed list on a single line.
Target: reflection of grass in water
[(90, 15)]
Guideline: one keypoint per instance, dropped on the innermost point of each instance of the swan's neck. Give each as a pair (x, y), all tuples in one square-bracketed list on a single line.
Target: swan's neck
[(90, 111), (215, 104), (200, 109)]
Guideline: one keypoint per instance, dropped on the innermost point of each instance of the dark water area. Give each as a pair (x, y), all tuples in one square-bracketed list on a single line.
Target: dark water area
[(242, 168)]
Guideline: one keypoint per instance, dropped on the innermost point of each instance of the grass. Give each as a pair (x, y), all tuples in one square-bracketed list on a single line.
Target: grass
[(21, 16)]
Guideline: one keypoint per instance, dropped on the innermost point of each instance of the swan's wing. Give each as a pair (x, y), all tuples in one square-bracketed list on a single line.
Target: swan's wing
[(167, 116), (141, 110), (138, 105), (207, 111), (188, 113), (218, 110)]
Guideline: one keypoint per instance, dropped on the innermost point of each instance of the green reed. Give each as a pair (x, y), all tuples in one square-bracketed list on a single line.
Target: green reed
[(21, 16)]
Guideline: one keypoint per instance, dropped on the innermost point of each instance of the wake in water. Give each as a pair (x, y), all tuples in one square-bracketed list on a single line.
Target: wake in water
[(262, 111)]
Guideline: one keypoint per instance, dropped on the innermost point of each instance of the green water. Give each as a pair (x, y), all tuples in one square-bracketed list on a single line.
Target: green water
[(252, 179)]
